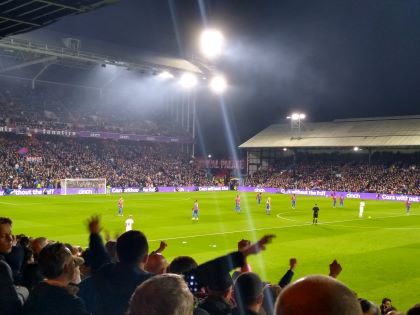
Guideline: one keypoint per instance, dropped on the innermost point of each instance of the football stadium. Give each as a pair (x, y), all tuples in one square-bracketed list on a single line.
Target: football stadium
[(137, 180)]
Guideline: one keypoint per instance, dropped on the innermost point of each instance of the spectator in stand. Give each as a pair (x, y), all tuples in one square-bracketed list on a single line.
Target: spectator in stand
[(248, 291), (156, 264), (55, 296), (181, 264), (368, 308), (114, 283), (386, 306), (317, 295), (31, 274), (165, 294), (219, 299), (12, 297), (415, 310)]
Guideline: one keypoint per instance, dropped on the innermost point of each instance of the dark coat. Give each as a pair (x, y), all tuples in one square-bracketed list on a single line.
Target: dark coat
[(46, 299), (114, 283), (10, 300)]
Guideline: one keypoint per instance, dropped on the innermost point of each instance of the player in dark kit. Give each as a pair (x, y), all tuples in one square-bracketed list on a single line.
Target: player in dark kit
[(315, 215)]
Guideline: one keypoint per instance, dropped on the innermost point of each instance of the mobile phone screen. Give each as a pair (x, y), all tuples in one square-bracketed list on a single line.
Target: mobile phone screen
[(192, 282)]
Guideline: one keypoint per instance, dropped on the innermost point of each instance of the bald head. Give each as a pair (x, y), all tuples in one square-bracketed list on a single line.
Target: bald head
[(317, 295), (156, 264), (37, 244)]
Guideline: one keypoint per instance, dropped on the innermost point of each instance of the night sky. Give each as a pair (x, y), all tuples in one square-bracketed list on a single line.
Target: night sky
[(328, 58)]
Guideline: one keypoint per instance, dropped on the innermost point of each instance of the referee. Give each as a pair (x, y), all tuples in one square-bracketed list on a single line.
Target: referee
[(315, 209)]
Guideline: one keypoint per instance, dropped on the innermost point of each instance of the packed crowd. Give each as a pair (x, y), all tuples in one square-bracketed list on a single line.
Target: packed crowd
[(46, 160), (122, 276), (387, 173), (62, 109)]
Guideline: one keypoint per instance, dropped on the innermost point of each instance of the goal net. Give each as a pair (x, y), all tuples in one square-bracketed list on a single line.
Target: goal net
[(70, 186)]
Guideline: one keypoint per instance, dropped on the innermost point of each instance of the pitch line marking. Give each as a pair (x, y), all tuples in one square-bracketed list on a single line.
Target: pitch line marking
[(8, 203), (272, 228)]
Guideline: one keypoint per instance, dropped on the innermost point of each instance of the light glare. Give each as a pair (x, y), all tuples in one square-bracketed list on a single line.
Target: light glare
[(166, 75), (296, 116), (211, 43), (218, 84), (188, 80)]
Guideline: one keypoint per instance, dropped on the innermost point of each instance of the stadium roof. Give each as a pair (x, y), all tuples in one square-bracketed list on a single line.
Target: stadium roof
[(399, 131), (18, 16)]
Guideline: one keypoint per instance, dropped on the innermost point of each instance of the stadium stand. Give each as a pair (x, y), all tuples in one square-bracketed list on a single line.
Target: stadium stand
[(123, 164), (379, 155), (386, 173), (62, 109)]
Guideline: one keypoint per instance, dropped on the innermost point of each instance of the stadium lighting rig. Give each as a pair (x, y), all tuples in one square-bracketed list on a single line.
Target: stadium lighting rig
[(296, 116), (211, 43), (296, 123)]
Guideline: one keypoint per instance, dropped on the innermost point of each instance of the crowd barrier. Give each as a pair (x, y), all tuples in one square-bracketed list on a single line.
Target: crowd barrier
[(119, 190)]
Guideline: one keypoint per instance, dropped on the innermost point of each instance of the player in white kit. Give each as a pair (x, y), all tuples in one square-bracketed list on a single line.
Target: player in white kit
[(129, 223), (361, 208)]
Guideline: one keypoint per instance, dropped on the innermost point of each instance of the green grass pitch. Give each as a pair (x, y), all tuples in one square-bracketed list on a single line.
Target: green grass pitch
[(379, 253)]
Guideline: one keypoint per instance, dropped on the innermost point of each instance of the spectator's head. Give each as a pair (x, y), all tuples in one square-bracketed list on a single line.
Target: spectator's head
[(56, 262), (111, 248), (165, 294), (132, 248), (248, 290), (38, 244), (368, 308), (317, 295), (415, 310), (182, 264), (386, 305), (156, 264), (6, 237), (220, 285)]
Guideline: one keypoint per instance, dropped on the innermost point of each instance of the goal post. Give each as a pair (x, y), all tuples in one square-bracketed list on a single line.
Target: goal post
[(70, 186)]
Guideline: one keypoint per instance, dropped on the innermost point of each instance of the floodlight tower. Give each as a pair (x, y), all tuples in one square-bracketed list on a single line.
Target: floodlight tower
[(296, 123)]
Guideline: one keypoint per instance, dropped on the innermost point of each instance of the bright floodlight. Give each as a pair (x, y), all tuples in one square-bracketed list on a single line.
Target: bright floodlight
[(209, 156), (218, 84), (188, 80), (165, 75), (356, 149), (296, 116), (211, 43), (285, 149)]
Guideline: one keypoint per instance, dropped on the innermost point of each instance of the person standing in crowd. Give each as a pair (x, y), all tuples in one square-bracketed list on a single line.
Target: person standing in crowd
[(195, 211), (120, 206), (268, 206), (238, 203), (11, 297), (294, 201), (129, 223), (361, 208), (54, 296), (315, 210)]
